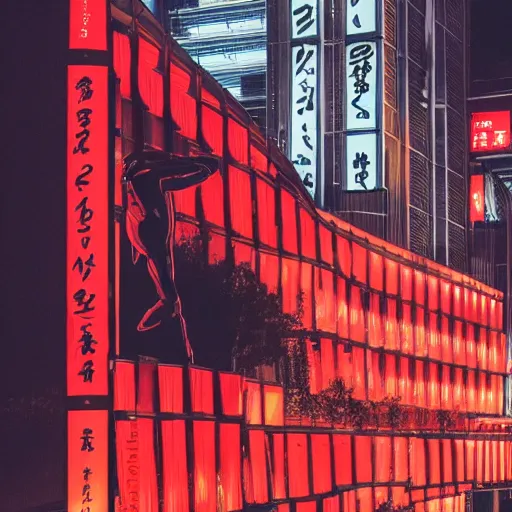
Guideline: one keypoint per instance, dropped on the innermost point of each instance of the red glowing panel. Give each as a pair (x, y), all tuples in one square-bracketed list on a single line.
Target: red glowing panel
[(205, 485), (88, 24), (150, 81), (122, 62), (230, 479), (87, 231), (476, 199), (88, 459), (175, 476), (490, 131)]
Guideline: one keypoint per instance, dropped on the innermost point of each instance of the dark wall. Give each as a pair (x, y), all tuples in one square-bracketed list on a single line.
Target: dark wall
[(32, 253)]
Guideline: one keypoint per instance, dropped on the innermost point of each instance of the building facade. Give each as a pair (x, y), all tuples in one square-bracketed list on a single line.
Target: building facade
[(229, 40), (144, 432)]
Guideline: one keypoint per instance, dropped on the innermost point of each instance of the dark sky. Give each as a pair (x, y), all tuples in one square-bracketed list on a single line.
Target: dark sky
[(491, 38)]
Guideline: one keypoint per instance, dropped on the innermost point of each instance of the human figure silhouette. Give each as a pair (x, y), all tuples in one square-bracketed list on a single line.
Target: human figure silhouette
[(149, 177)]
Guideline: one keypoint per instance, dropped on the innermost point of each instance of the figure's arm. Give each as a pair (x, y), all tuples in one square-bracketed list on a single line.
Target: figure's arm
[(187, 172), (173, 172)]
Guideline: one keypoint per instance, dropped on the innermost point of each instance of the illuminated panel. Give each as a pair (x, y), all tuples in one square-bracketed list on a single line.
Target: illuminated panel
[(88, 461), (87, 231), (361, 17), (477, 199), (362, 161), (363, 104), (87, 24), (490, 131), (304, 18), (304, 116)]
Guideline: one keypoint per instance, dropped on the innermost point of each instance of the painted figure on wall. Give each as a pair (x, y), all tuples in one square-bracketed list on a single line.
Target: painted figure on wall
[(149, 178)]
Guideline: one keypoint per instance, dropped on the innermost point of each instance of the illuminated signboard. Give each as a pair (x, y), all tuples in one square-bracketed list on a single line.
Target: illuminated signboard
[(87, 243), (363, 78), (304, 18), (87, 258), (477, 199), (88, 461), (361, 161), (87, 25), (490, 131), (361, 16), (304, 115), (305, 92)]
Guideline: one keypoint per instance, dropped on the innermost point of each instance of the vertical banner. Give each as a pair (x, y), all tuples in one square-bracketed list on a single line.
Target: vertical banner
[(88, 24), (87, 232), (87, 257), (88, 461), (305, 86), (363, 103)]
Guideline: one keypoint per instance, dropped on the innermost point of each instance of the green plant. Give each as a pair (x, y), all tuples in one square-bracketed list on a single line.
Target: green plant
[(234, 322), (334, 402), (446, 419), (396, 415)]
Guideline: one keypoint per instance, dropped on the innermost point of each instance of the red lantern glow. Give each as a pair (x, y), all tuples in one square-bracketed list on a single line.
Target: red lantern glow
[(476, 199)]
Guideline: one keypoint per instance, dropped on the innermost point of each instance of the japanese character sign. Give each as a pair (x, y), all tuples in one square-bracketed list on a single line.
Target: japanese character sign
[(361, 79), (304, 126), (87, 236), (361, 16), (361, 161), (304, 18)]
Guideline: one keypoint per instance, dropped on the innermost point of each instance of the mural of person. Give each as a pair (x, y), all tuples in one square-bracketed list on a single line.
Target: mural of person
[(149, 177)]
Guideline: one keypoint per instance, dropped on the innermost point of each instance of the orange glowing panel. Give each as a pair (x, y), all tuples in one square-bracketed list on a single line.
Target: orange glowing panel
[(490, 131), (124, 386), (278, 467), (230, 479), (201, 390), (175, 476), (205, 485), (274, 408), (231, 391), (87, 231), (321, 455), (170, 382), (88, 460), (476, 199), (298, 480), (364, 459), (88, 24)]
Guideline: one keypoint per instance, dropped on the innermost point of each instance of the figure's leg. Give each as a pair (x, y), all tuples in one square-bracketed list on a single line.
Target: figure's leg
[(177, 304)]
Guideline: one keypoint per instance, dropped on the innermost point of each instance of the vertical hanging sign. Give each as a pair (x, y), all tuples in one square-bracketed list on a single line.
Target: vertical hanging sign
[(363, 106), (304, 131), (88, 461), (87, 241), (87, 259)]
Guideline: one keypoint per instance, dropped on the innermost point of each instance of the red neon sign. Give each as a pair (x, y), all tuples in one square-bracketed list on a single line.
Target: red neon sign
[(476, 199), (490, 131), (87, 231), (88, 25), (88, 461)]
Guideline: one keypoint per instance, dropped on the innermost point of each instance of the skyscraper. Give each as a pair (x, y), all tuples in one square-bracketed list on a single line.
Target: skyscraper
[(228, 38)]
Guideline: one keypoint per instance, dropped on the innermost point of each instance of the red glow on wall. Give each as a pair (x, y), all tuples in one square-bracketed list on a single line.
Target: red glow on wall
[(88, 25), (490, 131), (87, 231), (477, 199)]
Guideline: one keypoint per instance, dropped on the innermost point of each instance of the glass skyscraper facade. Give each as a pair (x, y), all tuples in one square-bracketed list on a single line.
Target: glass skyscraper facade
[(228, 38)]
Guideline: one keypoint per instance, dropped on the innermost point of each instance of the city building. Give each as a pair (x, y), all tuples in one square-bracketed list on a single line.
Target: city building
[(228, 38), (422, 345)]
